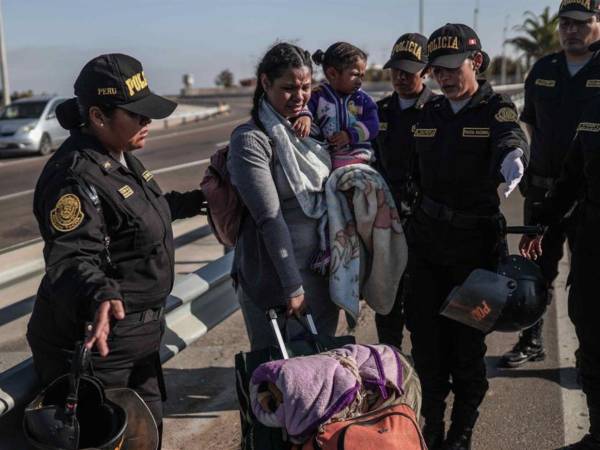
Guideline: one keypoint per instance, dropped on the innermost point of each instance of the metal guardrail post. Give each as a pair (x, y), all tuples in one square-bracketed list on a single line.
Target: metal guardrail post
[(199, 301)]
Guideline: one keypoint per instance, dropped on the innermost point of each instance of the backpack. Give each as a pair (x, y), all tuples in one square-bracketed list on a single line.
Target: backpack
[(394, 427), (225, 207)]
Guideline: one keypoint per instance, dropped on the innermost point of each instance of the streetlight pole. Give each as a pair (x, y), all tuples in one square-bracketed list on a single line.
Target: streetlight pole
[(422, 16), (4, 68), (476, 16), (504, 62)]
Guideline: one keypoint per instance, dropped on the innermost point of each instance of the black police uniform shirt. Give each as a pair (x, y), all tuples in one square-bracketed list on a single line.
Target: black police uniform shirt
[(554, 102), (459, 157), (394, 144), (580, 173), (137, 219)]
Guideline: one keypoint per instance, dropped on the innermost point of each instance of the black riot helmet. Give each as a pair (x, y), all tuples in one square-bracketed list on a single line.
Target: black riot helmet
[(73, 413), (511, 299), (53, 422)]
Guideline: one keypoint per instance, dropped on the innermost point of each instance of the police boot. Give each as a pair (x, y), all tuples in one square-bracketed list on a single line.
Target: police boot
[(530, 347), (433, 434), (459, 438)]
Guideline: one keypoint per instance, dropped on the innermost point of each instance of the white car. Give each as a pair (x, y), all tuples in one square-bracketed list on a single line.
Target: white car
[(30, 124)]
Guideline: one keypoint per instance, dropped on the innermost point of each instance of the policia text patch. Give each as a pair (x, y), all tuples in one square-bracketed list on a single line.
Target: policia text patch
[(425, 132), (589, 126), (476, 132)]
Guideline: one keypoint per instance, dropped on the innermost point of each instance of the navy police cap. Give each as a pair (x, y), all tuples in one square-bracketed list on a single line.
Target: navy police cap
[(409, 53), (118, 80), (580, 10), (451, 44)]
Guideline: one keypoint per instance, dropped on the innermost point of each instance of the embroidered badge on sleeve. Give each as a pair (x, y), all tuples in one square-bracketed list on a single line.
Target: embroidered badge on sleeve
[(67, 214), (507, 114)]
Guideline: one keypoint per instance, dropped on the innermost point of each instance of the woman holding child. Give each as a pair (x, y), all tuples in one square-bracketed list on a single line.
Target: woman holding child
[(281, 180)]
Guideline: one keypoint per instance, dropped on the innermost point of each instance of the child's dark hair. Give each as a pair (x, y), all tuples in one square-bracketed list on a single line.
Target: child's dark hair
[(339, 56), (277, 60)]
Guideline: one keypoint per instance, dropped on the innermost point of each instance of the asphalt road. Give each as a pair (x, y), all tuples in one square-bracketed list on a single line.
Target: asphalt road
[(175, 151)]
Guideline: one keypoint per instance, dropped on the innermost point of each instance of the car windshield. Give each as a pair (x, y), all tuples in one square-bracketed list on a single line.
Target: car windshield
[(26, 110)]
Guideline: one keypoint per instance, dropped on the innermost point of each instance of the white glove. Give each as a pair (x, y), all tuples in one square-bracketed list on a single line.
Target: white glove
[(512, 169)]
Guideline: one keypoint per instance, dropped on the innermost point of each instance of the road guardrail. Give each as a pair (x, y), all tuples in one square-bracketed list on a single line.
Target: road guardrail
[(198, 302)]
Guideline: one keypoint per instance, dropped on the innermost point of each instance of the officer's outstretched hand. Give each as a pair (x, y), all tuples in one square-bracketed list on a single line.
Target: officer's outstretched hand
[(531, 247), (98, 335)]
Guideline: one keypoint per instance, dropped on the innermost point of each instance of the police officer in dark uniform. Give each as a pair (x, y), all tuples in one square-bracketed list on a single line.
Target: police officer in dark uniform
[(398, 114), (106, 225), (467, 143), (556, 92), (580, 174)]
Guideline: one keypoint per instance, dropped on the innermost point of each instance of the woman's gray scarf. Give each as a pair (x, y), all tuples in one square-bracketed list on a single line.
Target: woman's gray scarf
[(305, 162)]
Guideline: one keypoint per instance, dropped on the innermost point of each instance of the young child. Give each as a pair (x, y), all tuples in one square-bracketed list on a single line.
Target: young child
[(344, 114)]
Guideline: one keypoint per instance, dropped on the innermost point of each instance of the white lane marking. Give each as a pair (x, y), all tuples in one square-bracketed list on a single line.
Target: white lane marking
[(221, 144), (16, 194), (575, 413), (150, 139), (197, 130), (181, 166), (158, 171)]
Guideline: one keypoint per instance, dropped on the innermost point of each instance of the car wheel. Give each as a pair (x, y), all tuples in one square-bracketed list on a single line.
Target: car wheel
[(45, 145)]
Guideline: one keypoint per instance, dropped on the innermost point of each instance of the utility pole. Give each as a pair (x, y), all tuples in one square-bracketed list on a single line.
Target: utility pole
[(4, 69), (504, 62), (422, 16), (476, 16)]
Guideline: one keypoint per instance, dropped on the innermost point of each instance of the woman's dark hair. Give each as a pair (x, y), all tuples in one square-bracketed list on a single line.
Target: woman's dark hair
[(340, 56), (280, 58), (74, 113)]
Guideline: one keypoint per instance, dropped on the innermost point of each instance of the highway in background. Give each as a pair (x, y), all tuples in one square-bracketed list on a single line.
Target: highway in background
[(177, 155)]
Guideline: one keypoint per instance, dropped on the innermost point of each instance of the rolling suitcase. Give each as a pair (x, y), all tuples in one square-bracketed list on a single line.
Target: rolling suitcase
[(256, 436)]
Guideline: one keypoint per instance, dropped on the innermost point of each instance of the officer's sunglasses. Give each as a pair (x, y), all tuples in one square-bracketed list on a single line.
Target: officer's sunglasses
[(143, 120)]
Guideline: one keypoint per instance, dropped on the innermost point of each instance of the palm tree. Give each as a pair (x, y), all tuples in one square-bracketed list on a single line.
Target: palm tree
[(540, 36)]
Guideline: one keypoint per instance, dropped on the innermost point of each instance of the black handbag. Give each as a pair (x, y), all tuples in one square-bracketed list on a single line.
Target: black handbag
[(256, 436)]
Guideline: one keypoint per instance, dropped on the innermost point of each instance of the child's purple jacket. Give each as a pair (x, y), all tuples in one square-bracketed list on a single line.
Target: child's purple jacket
[(355, 113)]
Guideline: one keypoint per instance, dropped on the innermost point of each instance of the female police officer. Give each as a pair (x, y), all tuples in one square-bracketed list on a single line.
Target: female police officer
[(107, 231), (467, 142)]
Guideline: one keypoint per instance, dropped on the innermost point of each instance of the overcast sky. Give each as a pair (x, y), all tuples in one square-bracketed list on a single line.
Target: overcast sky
[(48, 41)]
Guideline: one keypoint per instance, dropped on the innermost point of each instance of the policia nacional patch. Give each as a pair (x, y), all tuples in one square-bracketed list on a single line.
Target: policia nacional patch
[(67, 214), (507, 114)]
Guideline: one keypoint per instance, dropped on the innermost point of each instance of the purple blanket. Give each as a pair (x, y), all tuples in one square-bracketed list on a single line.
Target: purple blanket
[(311, 390)]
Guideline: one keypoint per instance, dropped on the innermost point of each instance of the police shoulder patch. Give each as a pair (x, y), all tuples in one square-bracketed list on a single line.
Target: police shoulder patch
[(147, 175), (507, 114), (67, 214), (126, 191)]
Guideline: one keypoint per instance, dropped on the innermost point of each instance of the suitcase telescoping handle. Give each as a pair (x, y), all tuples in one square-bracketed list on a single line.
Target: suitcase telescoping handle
[(272, 313)]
